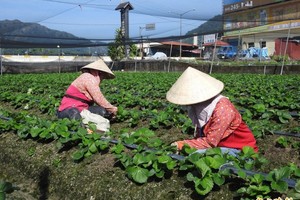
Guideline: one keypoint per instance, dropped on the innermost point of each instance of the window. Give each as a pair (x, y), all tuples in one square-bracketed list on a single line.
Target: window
[(250, 44), (263, 44)]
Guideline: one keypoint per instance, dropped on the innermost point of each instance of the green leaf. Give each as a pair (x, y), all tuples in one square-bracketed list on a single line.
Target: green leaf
[(35, 131), (171, 165), (215, 162), (281, 173), (242, 190), (297, 172), (78, 155), (93, 148), (118, 148), (5, 187), (280, 186), (241, 174), (218, 179), (194, 157), (138, 174), (202, 167), (257, 178), (45, 134), (297, 187), (283, 120), (190, 177), (204, 186), (260, 108), (164, 159), (88, 154), (102, 145), (139, 159), (160, 174)]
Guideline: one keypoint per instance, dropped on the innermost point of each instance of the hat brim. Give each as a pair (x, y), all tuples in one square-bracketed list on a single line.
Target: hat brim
[(192, 87), (100, 66)]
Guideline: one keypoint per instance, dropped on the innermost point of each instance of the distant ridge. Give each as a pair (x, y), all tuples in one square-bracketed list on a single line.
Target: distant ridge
[(17, 34), (213, 25)]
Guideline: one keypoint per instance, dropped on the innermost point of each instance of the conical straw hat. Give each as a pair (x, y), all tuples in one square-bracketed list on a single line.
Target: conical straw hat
[(194, 86), (101, 66)]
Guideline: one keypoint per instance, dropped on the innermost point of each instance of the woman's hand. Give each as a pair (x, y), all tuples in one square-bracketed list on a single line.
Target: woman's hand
[(113, 110)]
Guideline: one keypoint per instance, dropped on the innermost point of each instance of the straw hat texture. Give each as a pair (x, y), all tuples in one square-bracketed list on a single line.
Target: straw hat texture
[(194, 86), (101, 66)]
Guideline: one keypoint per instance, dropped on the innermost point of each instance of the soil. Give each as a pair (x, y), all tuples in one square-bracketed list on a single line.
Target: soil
[(41, 172)]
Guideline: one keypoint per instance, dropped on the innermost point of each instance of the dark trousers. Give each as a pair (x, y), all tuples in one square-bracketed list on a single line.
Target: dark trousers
[(74, 113)]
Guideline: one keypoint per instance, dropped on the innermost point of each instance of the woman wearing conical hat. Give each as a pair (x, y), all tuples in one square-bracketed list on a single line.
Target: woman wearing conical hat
[(84, 91), (217, 122)]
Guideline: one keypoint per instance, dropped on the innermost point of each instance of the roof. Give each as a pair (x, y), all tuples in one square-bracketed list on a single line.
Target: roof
[(124, 6), (183, 45), (218, 43)]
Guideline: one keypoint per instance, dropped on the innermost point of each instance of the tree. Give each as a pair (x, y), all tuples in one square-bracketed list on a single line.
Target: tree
[(117, 50)]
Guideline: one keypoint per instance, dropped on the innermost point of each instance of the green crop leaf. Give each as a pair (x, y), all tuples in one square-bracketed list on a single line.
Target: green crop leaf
[(93, 148), (297, 187), (194, 157), (138, 174), (88, 154), (160, 174), (64, 140), (190, 177), (35, 131), (119, 148), (102, 145), (45, 134), (280, 186), (242, 190), (155, 142), (204, 186), (6, 187), (261, 108), (61, 129), (242, 174), (253, 190), (297, 172), (78, 155), (257, 178), (202, 167), (215, 162), (282, 173), (164, 159), (139, 159), (218, 179), (171, 165)]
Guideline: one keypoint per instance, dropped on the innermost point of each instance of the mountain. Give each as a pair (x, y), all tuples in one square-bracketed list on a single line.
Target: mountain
[(213, 25), (17, 34)]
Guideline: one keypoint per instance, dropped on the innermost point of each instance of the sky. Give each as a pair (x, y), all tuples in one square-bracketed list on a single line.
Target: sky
[(98, 19)]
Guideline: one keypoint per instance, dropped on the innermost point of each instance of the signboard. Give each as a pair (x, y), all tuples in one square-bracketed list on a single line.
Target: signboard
[(261, 16), (209, 38), (237, 5), (150, 27)]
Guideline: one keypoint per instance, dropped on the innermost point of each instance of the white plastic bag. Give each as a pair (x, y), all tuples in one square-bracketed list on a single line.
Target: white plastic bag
[(102, 123)]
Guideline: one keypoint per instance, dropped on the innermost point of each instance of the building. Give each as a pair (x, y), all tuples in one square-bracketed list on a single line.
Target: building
[(274, 24)]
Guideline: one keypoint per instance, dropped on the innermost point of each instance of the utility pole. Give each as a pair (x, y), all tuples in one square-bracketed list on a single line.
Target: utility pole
[(180, 28), (124, 8)]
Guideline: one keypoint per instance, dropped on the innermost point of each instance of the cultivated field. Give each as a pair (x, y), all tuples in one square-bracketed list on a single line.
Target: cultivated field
[(46, 158)]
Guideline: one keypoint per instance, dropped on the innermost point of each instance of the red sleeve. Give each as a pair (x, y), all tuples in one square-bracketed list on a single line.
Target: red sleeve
[(224, 120), (219, 125)]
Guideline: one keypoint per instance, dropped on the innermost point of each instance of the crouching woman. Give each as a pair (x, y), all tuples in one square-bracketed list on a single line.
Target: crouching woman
[(217, 122), (84, 93)]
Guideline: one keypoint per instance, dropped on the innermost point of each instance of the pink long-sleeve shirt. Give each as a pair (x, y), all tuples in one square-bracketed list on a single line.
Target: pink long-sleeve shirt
[(86, 87)]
